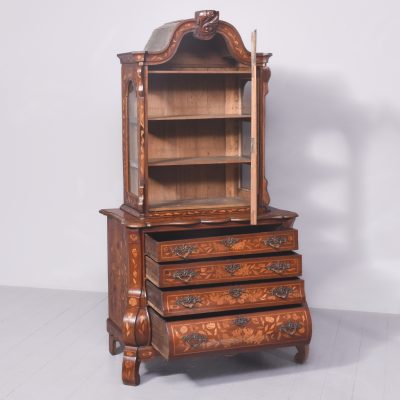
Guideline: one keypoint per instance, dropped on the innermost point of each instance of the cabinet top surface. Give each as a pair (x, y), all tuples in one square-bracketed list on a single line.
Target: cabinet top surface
[(130, 221)]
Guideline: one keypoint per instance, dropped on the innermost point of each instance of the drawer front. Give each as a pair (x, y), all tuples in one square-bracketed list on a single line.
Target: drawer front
[(220, 246), (225, 298), (229, 270), (228, 333)]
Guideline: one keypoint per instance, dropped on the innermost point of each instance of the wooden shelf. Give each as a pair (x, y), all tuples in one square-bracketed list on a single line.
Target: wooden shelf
[(222, 202), (199, 116), (215, 71), (160, 162)]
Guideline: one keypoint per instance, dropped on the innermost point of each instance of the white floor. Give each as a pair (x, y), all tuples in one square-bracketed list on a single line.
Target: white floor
[(53, 345)]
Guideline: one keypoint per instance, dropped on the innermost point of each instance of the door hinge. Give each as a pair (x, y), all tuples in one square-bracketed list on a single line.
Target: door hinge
[(252, 145)]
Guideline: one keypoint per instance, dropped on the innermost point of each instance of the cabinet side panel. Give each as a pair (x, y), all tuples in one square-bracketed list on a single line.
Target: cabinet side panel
[(117, 271), (160, 339), (152, 271), (155, 297)]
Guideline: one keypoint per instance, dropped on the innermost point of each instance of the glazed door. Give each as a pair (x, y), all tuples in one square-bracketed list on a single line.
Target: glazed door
[(133, 139), (133, 135)]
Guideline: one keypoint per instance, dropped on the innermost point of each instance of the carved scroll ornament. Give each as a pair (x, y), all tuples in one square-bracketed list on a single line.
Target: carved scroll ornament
[(206, 24)]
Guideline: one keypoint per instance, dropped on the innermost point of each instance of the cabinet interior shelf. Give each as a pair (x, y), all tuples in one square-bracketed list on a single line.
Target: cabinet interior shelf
[(216, 71), (198, 116), (220, 202), (159, 162)]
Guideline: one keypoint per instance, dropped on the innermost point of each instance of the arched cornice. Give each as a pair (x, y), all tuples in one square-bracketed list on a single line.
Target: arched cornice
[(231, 36)]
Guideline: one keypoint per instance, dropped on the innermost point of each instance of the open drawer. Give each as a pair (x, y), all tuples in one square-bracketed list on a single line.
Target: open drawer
[(209, 271), (228, 333), (225, 297), (197, 244)]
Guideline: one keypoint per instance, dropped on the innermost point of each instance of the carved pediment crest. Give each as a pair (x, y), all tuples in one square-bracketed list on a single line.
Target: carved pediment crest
[(206, 24)]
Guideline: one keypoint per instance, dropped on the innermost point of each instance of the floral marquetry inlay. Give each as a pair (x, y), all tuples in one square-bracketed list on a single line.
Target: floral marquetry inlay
[(226, 298), (227, 31), (135, 265), (222, 333), (218, 246), (209, 272)]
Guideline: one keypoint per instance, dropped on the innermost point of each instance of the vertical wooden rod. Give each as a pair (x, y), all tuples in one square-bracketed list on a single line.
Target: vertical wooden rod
[(254, 144)]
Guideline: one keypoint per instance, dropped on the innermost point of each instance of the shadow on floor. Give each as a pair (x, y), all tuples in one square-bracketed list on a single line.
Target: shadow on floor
[(337, 338)]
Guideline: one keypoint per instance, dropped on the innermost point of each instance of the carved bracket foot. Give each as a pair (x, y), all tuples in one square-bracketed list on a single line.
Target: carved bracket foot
[(130, 366), (302, 353), (114, 338), (113, 345)]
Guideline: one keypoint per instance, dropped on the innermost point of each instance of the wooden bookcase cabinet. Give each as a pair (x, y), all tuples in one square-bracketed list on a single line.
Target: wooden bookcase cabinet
[(187, 160), (186, 122)]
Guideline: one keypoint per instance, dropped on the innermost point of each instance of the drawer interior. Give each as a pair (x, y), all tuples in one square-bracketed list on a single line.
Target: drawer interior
[(206, 233), (232, 258)]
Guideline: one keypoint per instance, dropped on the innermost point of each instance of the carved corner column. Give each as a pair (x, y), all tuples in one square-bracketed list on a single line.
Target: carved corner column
[(136, 330)]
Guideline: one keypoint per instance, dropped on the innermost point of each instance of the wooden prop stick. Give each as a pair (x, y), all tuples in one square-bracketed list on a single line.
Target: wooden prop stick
[(254, 155)]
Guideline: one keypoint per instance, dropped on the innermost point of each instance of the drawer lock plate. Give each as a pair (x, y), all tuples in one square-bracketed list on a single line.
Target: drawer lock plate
[(195, 339), (282, 292), (290, 327), (188, 301), (275, 241)]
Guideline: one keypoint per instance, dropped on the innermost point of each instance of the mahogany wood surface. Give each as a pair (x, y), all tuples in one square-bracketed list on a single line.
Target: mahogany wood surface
[(162, 249), (159, 162), (228, 333), (254, 132), (225, 298), (192, 97), (223, 271), (189, 270), (200, 219)]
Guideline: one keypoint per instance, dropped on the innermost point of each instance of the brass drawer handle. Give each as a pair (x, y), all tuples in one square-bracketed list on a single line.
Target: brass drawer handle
[(275, 241), (236, 292), (232, 268), (282, 291), (290, 327), (184, 275), (279, 267), (183, 251), (241, 321), (188, 301), (230, 242), (195, 339)]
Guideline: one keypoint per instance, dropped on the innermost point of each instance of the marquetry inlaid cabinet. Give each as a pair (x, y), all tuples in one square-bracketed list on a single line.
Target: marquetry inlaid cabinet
[(198, 260)]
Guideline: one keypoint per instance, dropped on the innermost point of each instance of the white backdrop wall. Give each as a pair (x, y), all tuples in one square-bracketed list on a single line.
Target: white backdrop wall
[(332, 144)]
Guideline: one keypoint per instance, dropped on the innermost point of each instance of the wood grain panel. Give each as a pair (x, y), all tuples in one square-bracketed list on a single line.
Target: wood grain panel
[(221, 246), (225, 298), (226, 270), (283, 327)]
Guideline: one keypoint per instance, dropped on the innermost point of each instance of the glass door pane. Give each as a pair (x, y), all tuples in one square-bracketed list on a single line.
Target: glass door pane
[(133, 139), (245, 136)]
